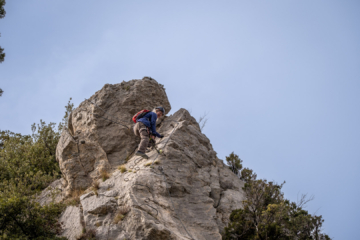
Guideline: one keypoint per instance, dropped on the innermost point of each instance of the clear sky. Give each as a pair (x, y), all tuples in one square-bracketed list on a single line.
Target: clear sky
[(280, 79)]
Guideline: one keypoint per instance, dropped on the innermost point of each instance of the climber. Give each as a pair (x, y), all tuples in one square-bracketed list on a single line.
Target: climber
[(145, 127)]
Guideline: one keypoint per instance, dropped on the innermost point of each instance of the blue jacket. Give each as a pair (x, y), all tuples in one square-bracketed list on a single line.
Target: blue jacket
[(149, 120)]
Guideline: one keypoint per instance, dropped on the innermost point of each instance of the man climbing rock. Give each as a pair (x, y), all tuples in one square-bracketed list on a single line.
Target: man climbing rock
[(145, 127)]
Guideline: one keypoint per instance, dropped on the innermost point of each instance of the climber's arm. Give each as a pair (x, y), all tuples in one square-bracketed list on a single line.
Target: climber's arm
[(153, 125)]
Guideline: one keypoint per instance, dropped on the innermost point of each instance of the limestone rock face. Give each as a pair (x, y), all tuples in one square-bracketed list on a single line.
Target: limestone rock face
[(53, 193), (70, 221), (100, 136), (185, 192)]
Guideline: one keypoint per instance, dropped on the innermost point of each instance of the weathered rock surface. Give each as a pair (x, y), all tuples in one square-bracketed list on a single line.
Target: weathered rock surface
[(70, 220), (187, 193), (99, 136), (53, 193)]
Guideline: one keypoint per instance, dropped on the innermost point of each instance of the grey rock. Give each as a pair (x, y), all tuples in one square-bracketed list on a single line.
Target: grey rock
[(99, 136), (188, 193), (70, 221), (53, 193), (98, 205)]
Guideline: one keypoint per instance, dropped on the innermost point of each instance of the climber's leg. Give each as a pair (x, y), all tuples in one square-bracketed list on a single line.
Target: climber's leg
[(136, 129), (144, 135)]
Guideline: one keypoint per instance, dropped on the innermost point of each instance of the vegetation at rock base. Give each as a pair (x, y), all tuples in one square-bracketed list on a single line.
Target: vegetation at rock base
[(267, 215), (27, 166)]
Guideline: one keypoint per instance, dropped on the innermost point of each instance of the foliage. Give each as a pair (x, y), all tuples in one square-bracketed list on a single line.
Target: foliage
[(122, 168), (2, 54), (22, 218), (64, 122), (234, 162), (25, 157), (27, 166), (247, 175), (267, 215), (2, 10), (2, 15)]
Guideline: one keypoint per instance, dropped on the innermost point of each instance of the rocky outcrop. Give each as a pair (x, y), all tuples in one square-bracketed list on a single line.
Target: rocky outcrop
[(99, 136), (185, 192)]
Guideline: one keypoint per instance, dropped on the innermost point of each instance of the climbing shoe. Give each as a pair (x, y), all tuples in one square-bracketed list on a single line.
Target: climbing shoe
[(141, 154)]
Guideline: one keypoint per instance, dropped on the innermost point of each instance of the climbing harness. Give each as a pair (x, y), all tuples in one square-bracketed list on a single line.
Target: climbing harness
[(109, 119)]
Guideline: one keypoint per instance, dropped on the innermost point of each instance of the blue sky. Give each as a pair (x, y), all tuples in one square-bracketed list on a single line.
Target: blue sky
[(280, 79)]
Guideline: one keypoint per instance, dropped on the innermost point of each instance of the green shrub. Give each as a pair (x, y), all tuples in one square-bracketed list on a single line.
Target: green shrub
[(27, 166), (234, 162), (266, 214)]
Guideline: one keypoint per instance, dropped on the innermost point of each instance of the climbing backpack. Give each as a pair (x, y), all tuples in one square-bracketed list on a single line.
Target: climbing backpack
[(139, 115)]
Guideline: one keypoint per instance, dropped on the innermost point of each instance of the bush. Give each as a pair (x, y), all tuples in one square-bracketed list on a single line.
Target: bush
[(27, 166), (234, 162), (21, 217), (267, 215)]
